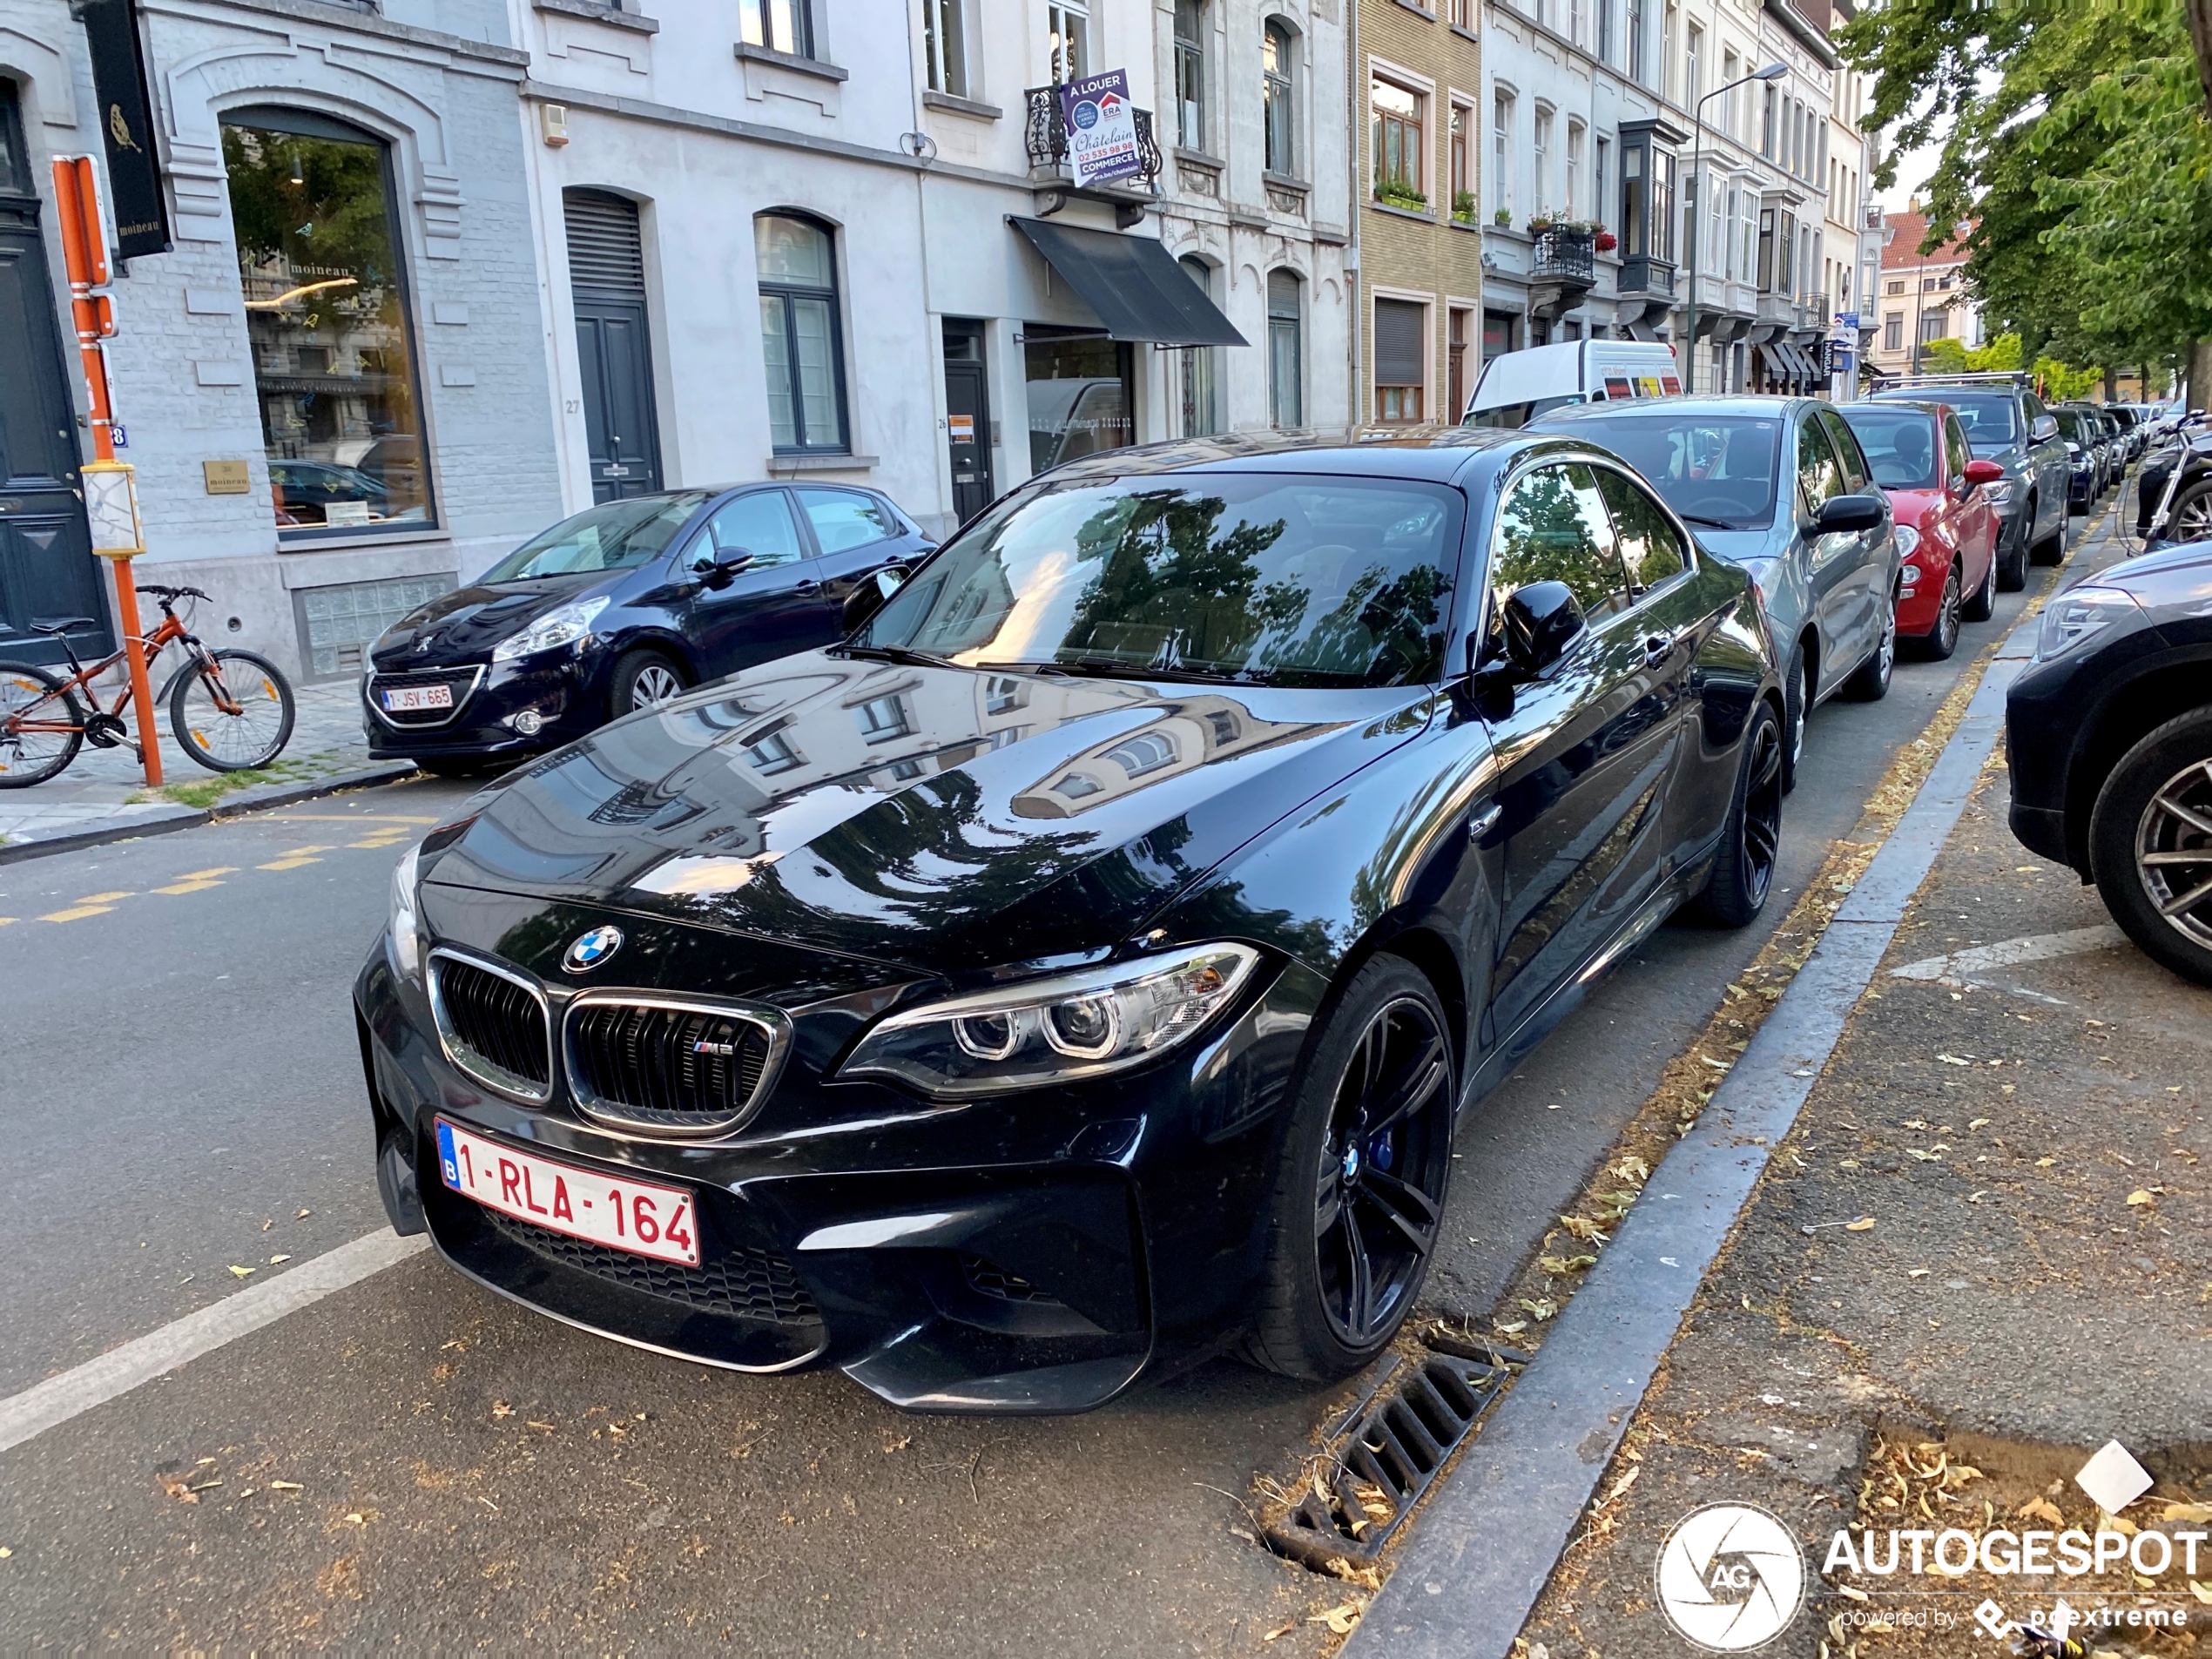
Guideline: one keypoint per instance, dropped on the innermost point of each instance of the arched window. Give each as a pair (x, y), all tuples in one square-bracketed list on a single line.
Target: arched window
[(1201, 410), (1285, 351), (799, 334), (1279, 109), (1190, 73)]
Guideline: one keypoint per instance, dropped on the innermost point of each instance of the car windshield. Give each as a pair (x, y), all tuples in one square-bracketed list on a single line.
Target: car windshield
[(1900, 446), (613, 536), (1715, 469), (1987, 416), (1248, 577)]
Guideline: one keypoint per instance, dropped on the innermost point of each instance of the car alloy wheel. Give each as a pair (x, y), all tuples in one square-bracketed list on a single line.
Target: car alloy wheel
[(654, 684), (1379, 1190), (2174, 852), (1762, 830), (2192, 520), (1943, 639)]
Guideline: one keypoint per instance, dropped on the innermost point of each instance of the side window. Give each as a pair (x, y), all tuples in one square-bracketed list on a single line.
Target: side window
[(760, 523), (1650, 546), (1553, 527), (846, 518), (1955, 445), (2033, 406), (1819, 476), (1847, 449)]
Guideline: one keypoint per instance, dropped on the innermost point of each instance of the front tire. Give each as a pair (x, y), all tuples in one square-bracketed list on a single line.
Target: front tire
[(643, 679), (28, 758), (1359, 1192), (215, 737), (2191, 519), (2011, 562), (1742, 873), (2152, 861)]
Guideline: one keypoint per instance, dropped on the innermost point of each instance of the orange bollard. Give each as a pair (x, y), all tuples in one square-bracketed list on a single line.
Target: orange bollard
[(84, 251)]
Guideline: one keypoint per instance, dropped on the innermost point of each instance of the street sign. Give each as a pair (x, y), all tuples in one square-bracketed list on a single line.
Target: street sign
[(1101, 124)]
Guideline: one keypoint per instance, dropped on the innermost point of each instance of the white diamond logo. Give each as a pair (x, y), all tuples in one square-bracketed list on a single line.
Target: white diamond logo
[(2112, 1478)]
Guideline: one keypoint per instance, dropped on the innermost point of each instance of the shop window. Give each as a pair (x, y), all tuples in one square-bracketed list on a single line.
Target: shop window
[(328, 323), (1082, 395), (800, 333)]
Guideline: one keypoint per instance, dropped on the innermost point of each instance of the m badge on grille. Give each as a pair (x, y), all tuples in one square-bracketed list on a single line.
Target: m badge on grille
[(587, 951), (706, 1047)]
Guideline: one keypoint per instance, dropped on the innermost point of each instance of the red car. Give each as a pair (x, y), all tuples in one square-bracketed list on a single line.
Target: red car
[(1947, 530)]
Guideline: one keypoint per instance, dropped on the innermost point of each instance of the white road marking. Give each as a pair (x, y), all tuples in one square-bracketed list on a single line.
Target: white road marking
[(140, 1360), (2036, 947)]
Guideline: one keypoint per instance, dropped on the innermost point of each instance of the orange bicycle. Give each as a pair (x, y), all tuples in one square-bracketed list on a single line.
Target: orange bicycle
[(230, 710)]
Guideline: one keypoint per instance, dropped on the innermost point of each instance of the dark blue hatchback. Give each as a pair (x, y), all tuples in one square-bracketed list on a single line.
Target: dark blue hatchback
[(622, 607)]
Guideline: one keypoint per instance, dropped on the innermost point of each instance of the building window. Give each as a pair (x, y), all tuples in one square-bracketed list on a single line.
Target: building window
[(799, 333), (1498, 329), (1601, 174), (780, 25), (1201, 412), (774, 753), (1462, 14), (1285, 350), (1398, 146), (883, 718), (1572, 197), (1693, 68), (1767, 107), (1636, 40), (1604, 31), (1669, 33), (1732, 67), (1647, 197), (338, 624), (1935, 325), (1402, 366), (1277, 109), (1539, 156), (328, 321), (1462, 171), (1190, 74), (945, 39), (1574, 21), (1070, 419), (1067, 39), (1146, 752), (1501, 154)]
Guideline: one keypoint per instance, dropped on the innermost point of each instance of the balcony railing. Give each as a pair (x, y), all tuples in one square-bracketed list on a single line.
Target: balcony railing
[(1640, 274), (1048, 137), (1567, 255)]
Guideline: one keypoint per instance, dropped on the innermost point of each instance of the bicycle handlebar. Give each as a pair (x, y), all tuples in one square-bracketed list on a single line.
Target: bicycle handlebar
[(160, 592)]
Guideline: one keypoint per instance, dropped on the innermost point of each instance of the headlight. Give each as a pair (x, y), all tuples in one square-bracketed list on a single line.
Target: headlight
[(407, 930), (2074, 618), (562, 625), (1057, 1030), (1909, 575), (1907, 539), (1999, 493)]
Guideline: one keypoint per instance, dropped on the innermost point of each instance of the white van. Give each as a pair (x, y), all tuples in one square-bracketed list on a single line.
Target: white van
[(1518, 385)]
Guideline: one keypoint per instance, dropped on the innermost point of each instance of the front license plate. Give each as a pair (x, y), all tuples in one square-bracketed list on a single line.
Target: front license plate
[(409, 699), (637, 1216)]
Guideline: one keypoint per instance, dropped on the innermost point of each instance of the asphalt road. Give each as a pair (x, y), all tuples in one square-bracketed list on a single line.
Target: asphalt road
[(182, 1083)]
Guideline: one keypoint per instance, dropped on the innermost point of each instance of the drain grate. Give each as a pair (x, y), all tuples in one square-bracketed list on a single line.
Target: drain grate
[(1382, 1454)]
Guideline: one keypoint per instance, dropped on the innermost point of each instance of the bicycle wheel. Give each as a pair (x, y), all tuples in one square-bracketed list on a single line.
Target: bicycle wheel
[(213, 736), (42, 726)]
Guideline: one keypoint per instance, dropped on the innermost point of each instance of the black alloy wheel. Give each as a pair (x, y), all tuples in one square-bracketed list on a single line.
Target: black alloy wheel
[(1360, 1195), (2150, 845), (1742, 873), (1942, 639)]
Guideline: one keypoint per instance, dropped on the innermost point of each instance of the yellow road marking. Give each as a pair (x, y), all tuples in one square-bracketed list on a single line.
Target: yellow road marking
[(382, 838), (104, 898), (341, 818), (93, 904), (294, 858), (200, 881), (4, 920)]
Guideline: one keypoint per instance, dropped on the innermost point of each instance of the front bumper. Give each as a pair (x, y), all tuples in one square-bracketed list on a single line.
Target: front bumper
[(1919, 605), (1033, 1253), (565, 690)]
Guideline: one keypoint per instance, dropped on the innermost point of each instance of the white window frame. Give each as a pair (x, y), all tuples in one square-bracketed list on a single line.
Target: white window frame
[(1504, 109)]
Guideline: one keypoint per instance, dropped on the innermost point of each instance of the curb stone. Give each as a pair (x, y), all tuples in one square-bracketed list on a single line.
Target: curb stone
[(261, 797)]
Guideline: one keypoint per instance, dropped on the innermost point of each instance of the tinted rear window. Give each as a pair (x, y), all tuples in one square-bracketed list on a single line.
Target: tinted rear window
[(1714, 468), (1987, 416)]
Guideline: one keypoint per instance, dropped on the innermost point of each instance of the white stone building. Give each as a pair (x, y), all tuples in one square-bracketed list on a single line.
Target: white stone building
[(333, 386)]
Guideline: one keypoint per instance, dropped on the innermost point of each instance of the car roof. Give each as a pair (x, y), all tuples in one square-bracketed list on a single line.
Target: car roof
[(1748, 403), (1925, 405), (1439, 453)]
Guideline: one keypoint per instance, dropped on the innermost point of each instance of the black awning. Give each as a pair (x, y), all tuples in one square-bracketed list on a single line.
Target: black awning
[(1789, 362), (1134, 285)]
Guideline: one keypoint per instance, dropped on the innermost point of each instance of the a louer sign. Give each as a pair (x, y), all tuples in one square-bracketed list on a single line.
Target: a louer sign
[(1102, 128)]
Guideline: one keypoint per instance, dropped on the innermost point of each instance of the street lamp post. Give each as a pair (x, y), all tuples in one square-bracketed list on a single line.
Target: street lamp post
[(1771, 72)]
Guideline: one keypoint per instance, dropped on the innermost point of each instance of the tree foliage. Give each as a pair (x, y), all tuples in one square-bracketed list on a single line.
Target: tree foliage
[(2077, 146)]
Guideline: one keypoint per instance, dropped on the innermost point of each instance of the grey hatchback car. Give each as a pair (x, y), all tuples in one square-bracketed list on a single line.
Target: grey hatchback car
[(1781, 487), (2007, 423)]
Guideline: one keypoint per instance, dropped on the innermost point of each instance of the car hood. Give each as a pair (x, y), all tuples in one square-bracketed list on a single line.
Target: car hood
[(934, 818), (1910, 506), (1736, 546), (462, 626), (2175, 576)]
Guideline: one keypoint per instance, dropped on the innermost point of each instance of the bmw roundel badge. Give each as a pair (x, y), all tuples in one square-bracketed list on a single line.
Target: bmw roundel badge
[(587, 951)]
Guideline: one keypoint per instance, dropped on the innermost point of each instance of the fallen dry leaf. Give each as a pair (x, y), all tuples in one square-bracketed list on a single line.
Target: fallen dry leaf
[(1272, 1635), (1540, 1309), (2202, 1592), (2045, 1163), (1340, 1619), (1624, 1484), (1864, 1224), (1562, 1264), (1979, 1122), (286, 1486), (302, 1216), (2139, 1197), (274, 1260), (501, 1408), (2041, 1509), (241, 1272), (2186, 1512)]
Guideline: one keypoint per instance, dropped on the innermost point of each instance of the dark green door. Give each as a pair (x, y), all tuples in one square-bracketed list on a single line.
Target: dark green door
[(47, 571)]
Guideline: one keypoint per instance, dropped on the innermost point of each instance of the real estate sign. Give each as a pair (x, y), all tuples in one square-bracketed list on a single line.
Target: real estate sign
[(1102, 128)]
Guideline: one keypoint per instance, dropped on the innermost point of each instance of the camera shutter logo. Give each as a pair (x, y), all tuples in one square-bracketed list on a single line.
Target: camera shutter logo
[(1730, 1577)]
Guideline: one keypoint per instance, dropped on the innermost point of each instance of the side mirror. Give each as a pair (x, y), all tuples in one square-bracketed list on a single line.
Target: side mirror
[(869, 593), (1540, 622), (727, 561), (2045, 428), (1983, 472), (1848, 516)]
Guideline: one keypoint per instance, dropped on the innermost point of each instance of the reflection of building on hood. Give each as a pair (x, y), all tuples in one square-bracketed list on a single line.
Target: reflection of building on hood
[(1188, 735)]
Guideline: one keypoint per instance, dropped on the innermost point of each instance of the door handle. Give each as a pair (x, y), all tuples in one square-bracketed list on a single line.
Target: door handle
[(806, 584), (1485, 821), (1657, 648)]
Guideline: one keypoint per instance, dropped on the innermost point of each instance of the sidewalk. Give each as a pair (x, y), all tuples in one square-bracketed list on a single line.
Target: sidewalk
[(105, 792), (2035, 1281)]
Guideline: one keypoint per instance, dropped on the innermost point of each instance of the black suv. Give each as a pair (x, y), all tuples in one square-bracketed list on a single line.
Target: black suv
[(2108, 735)]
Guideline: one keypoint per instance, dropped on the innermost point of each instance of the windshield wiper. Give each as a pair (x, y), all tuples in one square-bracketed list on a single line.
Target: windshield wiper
[(1112, 668), (900, 654), (1710, 523)]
